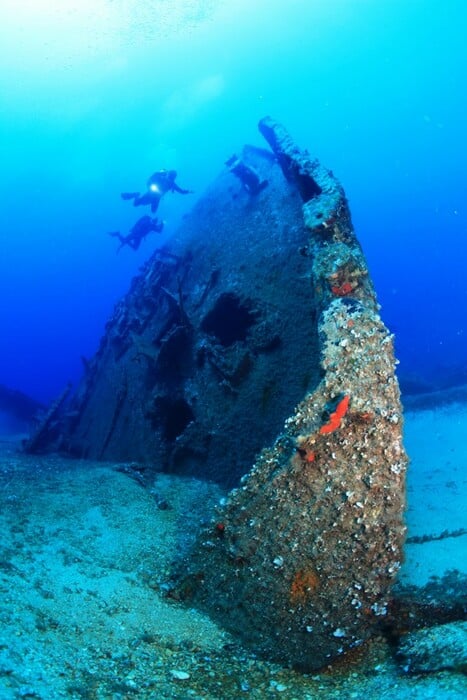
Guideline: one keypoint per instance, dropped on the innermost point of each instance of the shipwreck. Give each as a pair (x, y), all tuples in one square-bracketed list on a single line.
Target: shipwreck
[(250, 351)]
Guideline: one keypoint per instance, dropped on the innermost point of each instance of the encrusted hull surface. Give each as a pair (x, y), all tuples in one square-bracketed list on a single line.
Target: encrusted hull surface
[(300, 559), (251, 352)]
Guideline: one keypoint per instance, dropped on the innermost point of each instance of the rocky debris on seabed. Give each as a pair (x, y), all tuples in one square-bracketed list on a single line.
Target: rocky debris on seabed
[(435, 648), (84, 616), (433, 577)]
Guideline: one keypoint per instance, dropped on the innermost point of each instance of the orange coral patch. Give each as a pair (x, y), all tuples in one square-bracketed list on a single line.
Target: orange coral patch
[(304, 584), (336, 417), (342, 290)]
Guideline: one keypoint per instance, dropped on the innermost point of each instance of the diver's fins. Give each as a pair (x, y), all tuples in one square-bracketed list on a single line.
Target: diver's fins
[(129, 195)]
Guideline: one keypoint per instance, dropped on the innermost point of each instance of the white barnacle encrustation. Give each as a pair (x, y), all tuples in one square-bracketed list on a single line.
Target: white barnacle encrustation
[(339, 632)]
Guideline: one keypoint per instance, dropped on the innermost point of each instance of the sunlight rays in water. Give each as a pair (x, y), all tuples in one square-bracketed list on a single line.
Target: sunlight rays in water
[(39, 34)]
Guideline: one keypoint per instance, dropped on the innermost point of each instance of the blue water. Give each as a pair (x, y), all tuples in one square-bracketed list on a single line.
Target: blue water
[(96, 95)]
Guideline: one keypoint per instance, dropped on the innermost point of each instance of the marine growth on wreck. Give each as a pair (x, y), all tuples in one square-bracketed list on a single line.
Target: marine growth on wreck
[(250, 351), (300, 558)]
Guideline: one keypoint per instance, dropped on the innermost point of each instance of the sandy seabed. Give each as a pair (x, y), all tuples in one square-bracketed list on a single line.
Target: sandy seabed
[(85, 549)]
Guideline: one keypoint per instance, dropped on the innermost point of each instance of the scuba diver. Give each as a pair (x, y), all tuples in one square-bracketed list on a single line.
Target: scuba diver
[(248, 176), (158, 185), (140, 230)]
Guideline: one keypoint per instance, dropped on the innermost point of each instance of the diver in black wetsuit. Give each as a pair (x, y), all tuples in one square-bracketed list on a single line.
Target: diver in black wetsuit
[(158, 185), (140, 230), (248, 176)]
